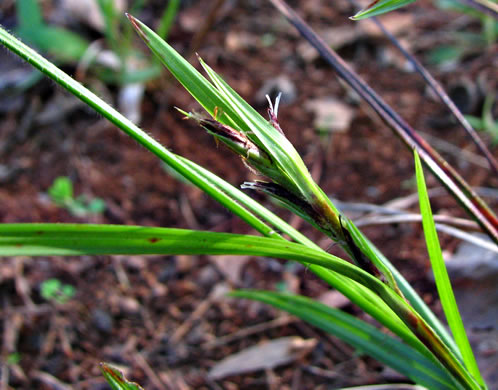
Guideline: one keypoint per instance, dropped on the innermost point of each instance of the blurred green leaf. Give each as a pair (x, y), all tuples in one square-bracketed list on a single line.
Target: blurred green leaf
[(142, 75), (380, 7), (29, 14), (62, 44), (13, 358), (444, 54), (96, 206), (486, 123), (167, 19), (116, 379), (61, 191), (54, 290)]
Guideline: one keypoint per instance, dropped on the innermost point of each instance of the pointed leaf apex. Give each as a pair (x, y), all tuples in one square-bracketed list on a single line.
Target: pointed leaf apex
[(136, 25)]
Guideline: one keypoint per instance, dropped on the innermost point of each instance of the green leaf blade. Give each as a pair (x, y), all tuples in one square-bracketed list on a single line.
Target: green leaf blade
[(360, 335), (116, 379), (196, 84), (29, 14), (443, 283), (70, 239), (380, 7)]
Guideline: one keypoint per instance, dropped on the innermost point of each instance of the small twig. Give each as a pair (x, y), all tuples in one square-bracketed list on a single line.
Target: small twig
[(272, 380), (51, 381), (4, 380), (245, 332), (49, 340), (456, 151), (188, 212), (204, 306), (411, 199), (144, 365), (452, 231), (409, 217), (121, 275), (64, 338), (467, 237), (22, 285), (12, 326), (321, 372), (296, 379)]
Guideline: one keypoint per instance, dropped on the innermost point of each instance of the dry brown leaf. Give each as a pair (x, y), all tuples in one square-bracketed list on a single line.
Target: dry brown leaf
[(263, 357)]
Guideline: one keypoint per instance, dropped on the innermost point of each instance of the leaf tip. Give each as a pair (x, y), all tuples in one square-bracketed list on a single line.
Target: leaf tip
[(136, 25), (199, 58)]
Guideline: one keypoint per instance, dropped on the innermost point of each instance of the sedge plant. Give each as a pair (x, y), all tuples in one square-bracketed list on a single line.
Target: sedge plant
[(418, 345)]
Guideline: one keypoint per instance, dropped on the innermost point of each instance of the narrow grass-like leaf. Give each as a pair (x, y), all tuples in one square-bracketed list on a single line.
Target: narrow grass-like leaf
[(377, 7), (73, 239), (416, 301), (168, 18), (116, 379), (196, 84), (441, 276), (360, 335), (251, 204)]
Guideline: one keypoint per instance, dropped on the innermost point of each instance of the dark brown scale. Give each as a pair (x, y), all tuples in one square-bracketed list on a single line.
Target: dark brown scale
[(360, 259)]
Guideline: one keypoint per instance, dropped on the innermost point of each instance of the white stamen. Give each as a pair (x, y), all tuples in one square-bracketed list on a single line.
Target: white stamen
[(277, 102), (269, 102)]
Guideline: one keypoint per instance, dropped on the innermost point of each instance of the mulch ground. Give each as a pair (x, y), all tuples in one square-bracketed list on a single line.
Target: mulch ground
[(160, 314)]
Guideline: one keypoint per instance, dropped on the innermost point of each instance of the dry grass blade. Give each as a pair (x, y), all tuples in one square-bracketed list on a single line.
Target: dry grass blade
[(488, 7), (453, 182), (441, 93)]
